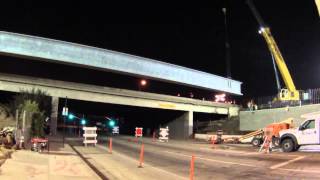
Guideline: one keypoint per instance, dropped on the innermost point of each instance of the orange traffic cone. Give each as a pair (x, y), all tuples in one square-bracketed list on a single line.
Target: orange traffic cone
[(110, 145), (141, 156), (213, 139), (192, 167)]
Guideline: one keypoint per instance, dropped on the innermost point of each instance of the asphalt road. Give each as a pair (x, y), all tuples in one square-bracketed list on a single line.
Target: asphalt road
[(211, 162)]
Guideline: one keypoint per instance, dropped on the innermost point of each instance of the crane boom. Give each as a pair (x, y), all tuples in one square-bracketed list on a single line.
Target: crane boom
[(291, 92)]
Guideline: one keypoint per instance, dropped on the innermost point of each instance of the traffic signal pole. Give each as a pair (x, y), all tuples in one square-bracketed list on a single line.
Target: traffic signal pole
[(64, 122)]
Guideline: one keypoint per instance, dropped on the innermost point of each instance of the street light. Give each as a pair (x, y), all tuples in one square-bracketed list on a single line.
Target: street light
[(142, 83)]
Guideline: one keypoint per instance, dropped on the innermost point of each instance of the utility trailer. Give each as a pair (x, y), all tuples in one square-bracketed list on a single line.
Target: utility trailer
[(271, 130)]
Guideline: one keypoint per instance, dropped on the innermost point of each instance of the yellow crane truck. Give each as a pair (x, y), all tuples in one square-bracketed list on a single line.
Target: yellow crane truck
[(290, 93)]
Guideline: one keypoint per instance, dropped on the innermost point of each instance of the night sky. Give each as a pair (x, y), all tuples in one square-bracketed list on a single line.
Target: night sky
[(190, 36)]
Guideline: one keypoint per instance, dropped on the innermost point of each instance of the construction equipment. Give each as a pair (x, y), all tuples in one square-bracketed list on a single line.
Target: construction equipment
[(7, 136), (39, 144), (271, 131), (256, 137), (290, 93), (318, 5)]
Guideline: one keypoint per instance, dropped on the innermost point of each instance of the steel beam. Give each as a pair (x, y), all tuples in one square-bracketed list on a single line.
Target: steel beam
[(80, 55)]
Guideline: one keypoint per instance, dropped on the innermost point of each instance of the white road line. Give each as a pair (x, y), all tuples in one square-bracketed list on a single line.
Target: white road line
[(164, 171), (213, 160), (300, 170), (231, 151), (287, 162), (146, 165), (246, 153)]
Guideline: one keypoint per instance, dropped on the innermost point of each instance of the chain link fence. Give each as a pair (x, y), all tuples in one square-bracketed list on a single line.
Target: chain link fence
[(310, 96)]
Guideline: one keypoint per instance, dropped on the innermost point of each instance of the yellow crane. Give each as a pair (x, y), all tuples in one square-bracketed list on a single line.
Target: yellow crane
[(290, 93)]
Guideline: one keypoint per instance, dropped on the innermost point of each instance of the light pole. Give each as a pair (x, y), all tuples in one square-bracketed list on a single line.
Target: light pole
[(227, 44)]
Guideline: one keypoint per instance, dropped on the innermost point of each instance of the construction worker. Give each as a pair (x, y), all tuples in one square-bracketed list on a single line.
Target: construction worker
[(249, 105), (267, 144)]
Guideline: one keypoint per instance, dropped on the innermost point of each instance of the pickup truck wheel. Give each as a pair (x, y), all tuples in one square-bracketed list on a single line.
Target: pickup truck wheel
[(287, 145), (256, 142)]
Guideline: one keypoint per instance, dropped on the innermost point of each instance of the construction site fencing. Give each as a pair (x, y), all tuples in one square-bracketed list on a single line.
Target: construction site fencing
[(310, 96)]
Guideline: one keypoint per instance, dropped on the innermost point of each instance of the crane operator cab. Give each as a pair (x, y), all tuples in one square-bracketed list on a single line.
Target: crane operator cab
[(286, 95)]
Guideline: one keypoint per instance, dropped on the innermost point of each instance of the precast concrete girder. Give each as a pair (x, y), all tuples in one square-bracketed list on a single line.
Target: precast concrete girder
[(55, 51)]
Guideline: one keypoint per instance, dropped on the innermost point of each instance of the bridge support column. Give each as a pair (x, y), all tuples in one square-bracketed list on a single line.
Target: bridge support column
[(182, 127), (54, 115)]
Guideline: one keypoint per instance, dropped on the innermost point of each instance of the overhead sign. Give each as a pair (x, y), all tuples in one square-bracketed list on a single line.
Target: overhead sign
[(164, 134), (115, 130), (139, 131), (65, 111)]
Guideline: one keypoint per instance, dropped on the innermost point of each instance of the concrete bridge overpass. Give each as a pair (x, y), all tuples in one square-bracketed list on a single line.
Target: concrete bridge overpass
[(61, 89)]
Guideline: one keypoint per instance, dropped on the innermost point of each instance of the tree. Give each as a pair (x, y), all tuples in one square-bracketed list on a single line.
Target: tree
[(35, 118), (5, 110), (40, 97), (37, 104)]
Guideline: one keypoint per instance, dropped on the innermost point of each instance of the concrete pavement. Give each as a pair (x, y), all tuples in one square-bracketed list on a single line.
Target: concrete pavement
[(221, 162), (161, 161), (117, 166), (61, 163)]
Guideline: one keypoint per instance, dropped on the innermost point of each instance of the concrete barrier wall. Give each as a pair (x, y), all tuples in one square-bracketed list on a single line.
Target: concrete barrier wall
[(208, 137), (228, 126), (250, 121)]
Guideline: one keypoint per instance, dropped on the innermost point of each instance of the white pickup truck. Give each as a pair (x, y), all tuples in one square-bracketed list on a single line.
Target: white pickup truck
[(306, 134)]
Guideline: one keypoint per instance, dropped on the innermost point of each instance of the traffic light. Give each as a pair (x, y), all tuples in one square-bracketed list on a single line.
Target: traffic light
[(71, 116), (83, 122), (112, 123)]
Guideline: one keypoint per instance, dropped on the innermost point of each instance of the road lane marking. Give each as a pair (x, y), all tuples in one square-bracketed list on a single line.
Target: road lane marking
[(245, 153), (231, 151), (146, 165), (212, 160), (300, 170), (149, 165), (287, 162), (164, 171)]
